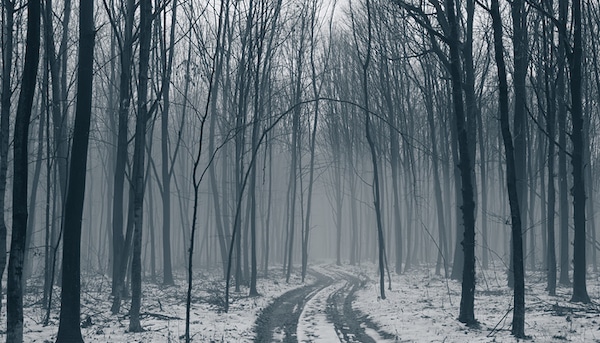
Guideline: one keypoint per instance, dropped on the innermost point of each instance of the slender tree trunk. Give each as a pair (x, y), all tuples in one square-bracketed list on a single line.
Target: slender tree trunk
[(531, 207), (467, 314), (166, 172), (354, 235), (518, 324), (7, 57), (69, 327), (221, 228), (252, 202), (459, 256), (138, 165), (520, 124), (14, 304), (551, 204), (295, 150), (578, 161), (121, 153), (60, 113), (269, 149), (563, 179)]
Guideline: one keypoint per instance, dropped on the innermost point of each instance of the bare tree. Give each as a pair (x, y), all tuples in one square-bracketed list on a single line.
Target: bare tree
[(577, 159), (7, 57), (14, 304), (139, 152), (69, 328), (518, 324)]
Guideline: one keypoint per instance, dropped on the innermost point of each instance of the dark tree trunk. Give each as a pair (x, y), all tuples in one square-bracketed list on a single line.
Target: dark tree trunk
[(14, 304), (376, 188), (7, 56), (551, 204), (520, 140), (252, 202), (166, 172), (138, 165), (563, 180), (69, 327), (459, 256), (467, 313), (61, 141), (577, 161), (121, 153), (518, 324)]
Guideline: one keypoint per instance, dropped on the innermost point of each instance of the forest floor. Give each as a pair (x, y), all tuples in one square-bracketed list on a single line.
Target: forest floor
[(334, 304)]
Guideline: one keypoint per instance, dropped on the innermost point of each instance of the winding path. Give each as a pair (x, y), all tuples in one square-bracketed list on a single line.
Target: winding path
[(329, 313)]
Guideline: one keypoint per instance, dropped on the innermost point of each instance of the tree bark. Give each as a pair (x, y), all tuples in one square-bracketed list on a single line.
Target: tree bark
[(563, 180), (518, 324), (7, 57), (138, 165), (577, 161), (69, 326), (520, 138), (166, 172), (14, 304), (467, 314), (551, 194), (121, 153)]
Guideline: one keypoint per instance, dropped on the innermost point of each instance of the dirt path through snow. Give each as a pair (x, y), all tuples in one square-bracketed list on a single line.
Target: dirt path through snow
[(319, 312)]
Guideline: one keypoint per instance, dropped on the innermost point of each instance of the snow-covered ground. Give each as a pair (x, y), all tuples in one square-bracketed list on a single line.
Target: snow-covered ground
[(313, 325), (163, 311), (423, 307)]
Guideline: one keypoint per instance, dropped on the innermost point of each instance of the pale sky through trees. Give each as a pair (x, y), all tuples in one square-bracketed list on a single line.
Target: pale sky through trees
[(299, 170)]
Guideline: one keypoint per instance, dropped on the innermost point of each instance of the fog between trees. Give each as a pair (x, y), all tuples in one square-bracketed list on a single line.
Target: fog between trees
[(238, 136)]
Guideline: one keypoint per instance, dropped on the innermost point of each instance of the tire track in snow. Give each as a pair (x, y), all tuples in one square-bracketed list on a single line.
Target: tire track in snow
[(278, 322), (350, 325), (313, 324), (321, 312)]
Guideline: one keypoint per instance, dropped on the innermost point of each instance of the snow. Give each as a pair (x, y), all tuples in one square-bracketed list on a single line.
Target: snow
[(163, 311), (423, 307), (313, 325)]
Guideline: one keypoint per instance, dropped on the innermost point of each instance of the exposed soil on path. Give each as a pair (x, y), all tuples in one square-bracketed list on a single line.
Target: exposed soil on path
[(279, 321), (350, 325)]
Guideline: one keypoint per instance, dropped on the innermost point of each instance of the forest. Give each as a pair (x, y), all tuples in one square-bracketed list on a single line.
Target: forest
[(299, 170)]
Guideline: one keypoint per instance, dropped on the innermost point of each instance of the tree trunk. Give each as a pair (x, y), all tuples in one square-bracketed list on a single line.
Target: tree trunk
[(121, 153), (252, 202), (518, 324), (295, 149), (563, 180), (520, 138), (7, 56), (577, 161), (166, 172), (138, 165), (69, 327), (14, 304), (467, 314), (551, 204)]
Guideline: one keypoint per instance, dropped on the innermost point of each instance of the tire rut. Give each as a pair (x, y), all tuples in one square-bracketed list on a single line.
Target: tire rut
[(350, 324), (278, 321)]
